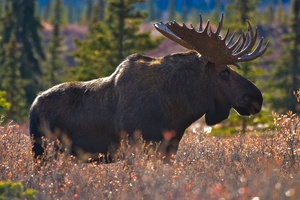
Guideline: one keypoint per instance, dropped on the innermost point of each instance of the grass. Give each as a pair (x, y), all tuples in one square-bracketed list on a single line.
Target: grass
[(206, 167)]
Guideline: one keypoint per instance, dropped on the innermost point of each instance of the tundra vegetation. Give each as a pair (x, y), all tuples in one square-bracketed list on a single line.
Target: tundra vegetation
[(205, 167)]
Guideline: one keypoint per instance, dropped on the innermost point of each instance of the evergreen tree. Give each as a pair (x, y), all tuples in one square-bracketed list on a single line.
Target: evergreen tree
[(89, 9), (54, 63), (19, 21), (96, 55), (238, 12), (101, 8), (78, 12), (269, 14), (12, 82), (286, 78), (111, 40), (38, 9), (184, 10), (172, 10), (98, 12), (47, 9), (281, 16), (2, 3), (70, 12), (151, 10), (216, 13)]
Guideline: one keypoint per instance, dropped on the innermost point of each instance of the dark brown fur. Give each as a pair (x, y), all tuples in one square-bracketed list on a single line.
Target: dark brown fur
[(150, 95)]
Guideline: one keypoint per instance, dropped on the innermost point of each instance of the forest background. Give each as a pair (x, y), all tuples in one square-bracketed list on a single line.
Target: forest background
[(43, 43)]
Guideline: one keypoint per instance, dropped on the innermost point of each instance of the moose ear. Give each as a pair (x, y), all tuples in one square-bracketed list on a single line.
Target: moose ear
[(218, 114)]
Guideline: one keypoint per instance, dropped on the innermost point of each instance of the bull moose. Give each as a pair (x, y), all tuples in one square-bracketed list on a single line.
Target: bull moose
[(153, 95)]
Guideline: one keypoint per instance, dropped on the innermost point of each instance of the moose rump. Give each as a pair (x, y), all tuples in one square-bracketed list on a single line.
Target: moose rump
[(75, 113)]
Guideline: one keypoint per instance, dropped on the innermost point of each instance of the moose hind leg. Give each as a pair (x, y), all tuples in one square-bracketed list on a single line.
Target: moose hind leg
[(36, 135)]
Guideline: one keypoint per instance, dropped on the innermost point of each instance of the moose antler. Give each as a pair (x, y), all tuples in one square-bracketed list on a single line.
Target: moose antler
[(211, 45)]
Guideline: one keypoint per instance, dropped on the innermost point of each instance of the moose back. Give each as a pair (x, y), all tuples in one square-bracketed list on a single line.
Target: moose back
[(151, 95)]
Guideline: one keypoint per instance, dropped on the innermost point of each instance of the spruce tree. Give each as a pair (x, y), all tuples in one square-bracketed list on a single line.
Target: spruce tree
[(238, 12), (172, 10), (19, 21), (70, 12), (184, 10), (111, 40), (98, 12), (215, 15), (286, 75), (46, 12), (2, 3), (54, 62), (281, 16), (89, 9), (151, 10), (12, 82), (101, 8)]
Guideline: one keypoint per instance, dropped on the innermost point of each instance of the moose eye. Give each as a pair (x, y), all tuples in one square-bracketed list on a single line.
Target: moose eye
[(225, 74)]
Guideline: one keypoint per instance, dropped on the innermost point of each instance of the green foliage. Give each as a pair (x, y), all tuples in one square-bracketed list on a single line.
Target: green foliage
[(235, 124), (12, 82), (4, 104), (111, 40), (2, 3), (286, 75), (58, 13), (151, 10), (268, 15), (54, 63), (172, 10), (94, 55), (238, 12), (281, 15), (19, 21), (89, 9), (15, 190), (70, 12)]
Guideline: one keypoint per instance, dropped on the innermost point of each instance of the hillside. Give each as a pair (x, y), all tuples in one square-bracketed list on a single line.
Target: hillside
[(273, 33)]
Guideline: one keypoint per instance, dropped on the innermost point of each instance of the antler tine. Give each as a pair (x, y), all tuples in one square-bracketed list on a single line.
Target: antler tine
[(210, 44), (216, 34), (256, 53), (244, 45), (163, 29), (226, 35), (220, 25), (230, 39), (200, 23), (237, 43), (250, 45), (206, 27)]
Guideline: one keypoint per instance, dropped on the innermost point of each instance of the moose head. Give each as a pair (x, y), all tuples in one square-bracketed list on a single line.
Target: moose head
[(157, 97), (227, 87)]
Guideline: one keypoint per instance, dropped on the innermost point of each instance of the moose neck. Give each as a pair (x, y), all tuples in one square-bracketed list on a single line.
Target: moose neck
[(186, 87)]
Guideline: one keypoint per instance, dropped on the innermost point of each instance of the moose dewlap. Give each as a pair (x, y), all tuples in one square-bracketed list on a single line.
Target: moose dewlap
[(152, 95)]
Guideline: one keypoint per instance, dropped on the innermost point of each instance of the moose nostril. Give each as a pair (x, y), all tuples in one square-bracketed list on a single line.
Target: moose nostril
[(256, 106)]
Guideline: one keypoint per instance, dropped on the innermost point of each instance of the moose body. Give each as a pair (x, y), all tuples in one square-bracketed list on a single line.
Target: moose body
[(150, 95)]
